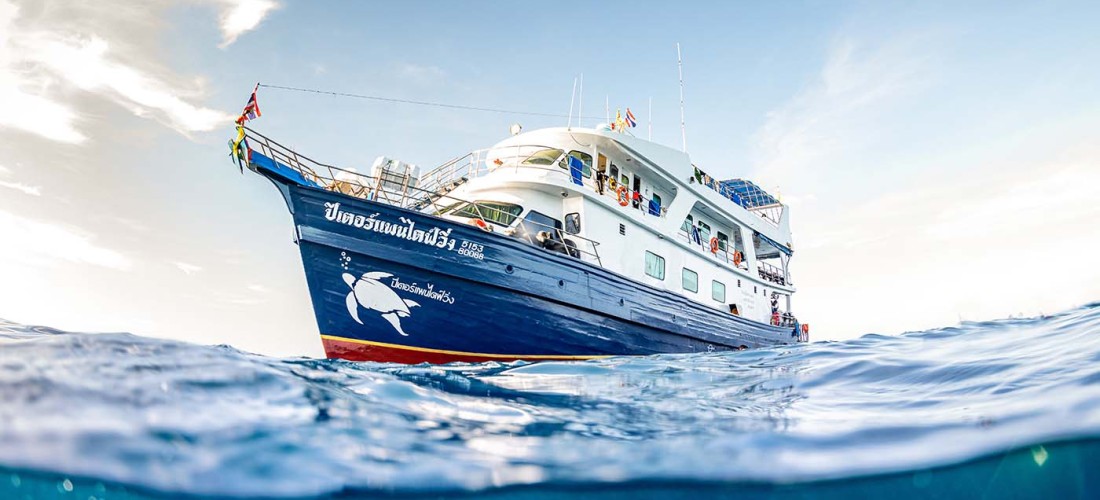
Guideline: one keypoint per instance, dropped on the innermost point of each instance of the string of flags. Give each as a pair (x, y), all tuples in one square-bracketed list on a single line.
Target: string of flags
[(251, 112), (623, 122)]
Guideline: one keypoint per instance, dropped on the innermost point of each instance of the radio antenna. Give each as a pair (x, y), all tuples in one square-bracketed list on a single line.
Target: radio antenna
[(683, 128)]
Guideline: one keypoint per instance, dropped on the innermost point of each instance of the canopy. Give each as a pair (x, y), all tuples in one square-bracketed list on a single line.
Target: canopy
[(745, 193), (774, 243)]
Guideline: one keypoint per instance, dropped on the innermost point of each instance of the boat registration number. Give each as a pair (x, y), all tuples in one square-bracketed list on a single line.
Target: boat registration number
[(472, 250)]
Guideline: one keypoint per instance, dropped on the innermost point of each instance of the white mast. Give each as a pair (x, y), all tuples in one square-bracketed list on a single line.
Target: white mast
[(607, 108), (580, 103), (650, 118), (572, 97), (683, 128)]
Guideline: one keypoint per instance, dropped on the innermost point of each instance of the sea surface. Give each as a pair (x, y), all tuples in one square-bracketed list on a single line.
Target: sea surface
[(998, 409)]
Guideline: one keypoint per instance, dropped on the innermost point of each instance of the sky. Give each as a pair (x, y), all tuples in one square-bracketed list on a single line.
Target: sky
[(941, 161)]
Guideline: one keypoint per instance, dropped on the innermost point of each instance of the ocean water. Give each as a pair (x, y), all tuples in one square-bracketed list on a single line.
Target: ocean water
[(999, 409)]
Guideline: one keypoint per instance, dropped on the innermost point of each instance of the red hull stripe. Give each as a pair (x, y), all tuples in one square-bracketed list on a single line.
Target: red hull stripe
[(365, 350)]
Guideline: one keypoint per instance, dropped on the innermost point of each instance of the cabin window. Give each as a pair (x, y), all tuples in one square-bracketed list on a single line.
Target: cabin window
[(573, 223), (657, 199), (492, 211), (704, 231), (718, 291), (614, 172), (601, 166), (585, 158), (688, 222), (690, 280), (536, 221), (723, 241), (654, 265), (625, 180), (543, 157)]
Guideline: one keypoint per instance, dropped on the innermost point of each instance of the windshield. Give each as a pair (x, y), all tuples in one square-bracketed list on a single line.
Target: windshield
[(543, 157), (492, 211)]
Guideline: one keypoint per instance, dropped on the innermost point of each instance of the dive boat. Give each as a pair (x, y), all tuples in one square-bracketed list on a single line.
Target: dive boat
[(559, 243)]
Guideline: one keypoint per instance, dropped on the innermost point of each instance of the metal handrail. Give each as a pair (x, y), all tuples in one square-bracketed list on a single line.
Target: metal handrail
[(771, 273), (367, 187)]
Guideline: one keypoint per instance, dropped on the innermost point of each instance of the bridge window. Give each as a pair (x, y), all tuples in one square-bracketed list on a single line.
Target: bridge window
[(543, 157), (690, 280), (492, 211), (654, 265)]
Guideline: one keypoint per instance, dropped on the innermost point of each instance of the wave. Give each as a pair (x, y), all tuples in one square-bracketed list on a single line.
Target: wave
[(1015, 401)]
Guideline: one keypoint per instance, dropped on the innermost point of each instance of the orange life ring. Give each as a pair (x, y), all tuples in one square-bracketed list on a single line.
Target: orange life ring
[(482, 224), (714, 245), (621, 195), (737, 258)]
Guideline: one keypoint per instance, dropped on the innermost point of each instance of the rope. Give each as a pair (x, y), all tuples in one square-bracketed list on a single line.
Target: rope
[(419, 103)]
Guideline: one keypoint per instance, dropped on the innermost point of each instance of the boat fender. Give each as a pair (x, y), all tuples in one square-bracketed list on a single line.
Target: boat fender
[(621, 195), (714, 245), (482, 224)]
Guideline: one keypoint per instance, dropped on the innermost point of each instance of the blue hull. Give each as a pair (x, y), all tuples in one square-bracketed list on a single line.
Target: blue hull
[(389, 284)]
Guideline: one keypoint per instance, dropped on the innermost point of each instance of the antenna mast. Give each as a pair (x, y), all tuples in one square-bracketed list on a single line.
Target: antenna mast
[(651, 118), (580, 103), (572, 96), (683, 129)]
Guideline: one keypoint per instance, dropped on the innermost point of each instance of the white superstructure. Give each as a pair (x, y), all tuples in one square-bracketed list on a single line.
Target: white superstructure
[(725, 244)]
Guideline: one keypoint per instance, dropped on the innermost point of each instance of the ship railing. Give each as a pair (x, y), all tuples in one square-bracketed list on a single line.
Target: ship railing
[(481, 162), (770, 212), (771, 273), (723, 254), (587, 250), (403, 191)]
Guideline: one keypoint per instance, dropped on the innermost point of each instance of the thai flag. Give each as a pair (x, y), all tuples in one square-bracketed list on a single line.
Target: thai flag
[(252, 109), (630, 120)]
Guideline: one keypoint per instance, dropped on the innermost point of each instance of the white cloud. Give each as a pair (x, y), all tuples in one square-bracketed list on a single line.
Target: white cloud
[(241, 16), (29, 190), (88, 64), (835, 113), (187, 268), (35, 242), (42, 58)]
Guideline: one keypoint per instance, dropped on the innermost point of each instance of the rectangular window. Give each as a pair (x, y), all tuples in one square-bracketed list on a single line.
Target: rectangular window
[(723, 241), (492, 211), (654, 265), (718, 291), (573, 223), (704, 232), (691, 280)]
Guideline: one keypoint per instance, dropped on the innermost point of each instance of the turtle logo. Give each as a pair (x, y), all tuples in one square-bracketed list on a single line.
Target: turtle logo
[(369, 293)]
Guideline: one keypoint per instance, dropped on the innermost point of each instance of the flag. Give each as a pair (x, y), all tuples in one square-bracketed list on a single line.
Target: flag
[(251, 109), (620, 123), (630, 120)]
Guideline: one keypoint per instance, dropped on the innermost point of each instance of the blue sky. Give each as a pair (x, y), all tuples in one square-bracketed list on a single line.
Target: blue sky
[(941, 160)]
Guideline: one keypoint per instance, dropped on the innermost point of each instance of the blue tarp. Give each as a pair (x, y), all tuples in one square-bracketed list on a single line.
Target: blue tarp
[(576, 166), (745, 193)]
